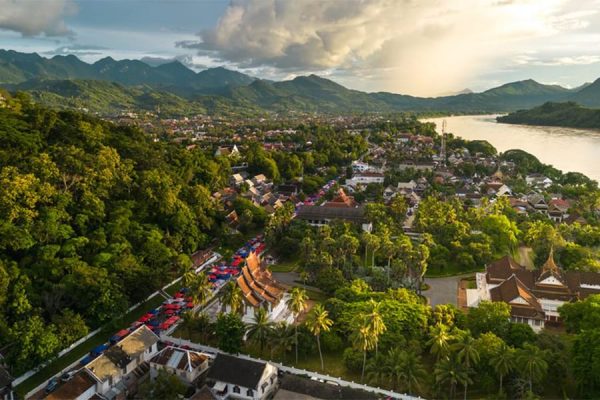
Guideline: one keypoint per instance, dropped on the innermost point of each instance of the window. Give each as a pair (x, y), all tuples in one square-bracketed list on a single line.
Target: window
[(249, 392), (236, 389)]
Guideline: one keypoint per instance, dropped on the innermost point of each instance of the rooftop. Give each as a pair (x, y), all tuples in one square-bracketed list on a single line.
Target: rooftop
[(237, 371)]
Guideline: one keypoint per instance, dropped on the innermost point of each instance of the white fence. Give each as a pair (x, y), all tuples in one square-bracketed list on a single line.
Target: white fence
[(295, 371)]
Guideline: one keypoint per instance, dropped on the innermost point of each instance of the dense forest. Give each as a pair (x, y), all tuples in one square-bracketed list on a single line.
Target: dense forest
[(567, 114)]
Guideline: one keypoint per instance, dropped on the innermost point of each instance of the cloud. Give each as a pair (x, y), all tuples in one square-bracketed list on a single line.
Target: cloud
[(32, 18), (419, 47), (77, 49)]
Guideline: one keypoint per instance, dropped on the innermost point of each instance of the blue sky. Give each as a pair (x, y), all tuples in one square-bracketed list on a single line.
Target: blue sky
[(425, 47)]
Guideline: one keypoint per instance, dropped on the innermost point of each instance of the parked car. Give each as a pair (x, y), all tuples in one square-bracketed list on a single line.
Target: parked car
[(52, 384), (67, 376)]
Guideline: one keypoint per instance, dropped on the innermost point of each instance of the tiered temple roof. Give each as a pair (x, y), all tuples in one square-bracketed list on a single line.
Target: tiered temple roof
[(257, 284)]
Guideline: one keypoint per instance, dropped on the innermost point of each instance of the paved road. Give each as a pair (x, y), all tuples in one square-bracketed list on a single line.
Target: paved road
[(442, 290), (292, 279)]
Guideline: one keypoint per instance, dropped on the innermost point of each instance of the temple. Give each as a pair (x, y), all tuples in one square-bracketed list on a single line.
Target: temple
[(261, 290), (533, 296)]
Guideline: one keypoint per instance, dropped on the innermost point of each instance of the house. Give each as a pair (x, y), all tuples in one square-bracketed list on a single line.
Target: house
[(538, 180), (365, 178), (558, 209), (341, 200), (237, 378), (319, 216), (260, 179), (538, 203), (261, 290), (236, 180), (534, 296), (227, 151), (116, 370), (358, 166), (187, 365), (410, 185)]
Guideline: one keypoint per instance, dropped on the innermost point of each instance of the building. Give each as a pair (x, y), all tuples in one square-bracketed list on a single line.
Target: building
[(227, 151), (320, 216), (261, 290), (237, 378), (534, 296), (187, 365), (117, 370), (365, 178)]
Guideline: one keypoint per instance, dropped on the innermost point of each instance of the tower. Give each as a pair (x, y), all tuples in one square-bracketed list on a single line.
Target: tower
[(443, 150)]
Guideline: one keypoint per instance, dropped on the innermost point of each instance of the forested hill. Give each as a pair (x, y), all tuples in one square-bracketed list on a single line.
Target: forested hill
[(108, 86), (93, 218), (567, 114)]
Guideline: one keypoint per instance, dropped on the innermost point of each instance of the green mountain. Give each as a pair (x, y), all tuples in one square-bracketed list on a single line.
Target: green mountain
[(569, 114), (223, 90), (18, 67)]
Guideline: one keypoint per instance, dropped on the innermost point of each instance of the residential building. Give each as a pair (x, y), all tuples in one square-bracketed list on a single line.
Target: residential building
[(187, 365), (365, 178), (319, 216), (237, 378), (227, 151)]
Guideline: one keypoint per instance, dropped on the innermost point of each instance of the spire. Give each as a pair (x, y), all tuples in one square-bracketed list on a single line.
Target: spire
[(550, 265)]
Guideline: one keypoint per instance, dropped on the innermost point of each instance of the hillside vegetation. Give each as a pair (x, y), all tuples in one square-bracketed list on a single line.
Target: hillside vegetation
[(567, 114)]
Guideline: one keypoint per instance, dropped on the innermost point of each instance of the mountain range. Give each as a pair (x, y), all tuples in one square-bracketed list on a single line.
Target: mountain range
[(109, 85)]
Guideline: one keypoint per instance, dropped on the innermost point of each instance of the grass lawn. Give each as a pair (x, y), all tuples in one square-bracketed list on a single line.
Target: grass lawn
[(284, 266), (84, 348), (316, 295)]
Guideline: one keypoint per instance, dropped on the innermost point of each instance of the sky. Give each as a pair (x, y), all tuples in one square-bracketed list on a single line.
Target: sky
[(417, 47)]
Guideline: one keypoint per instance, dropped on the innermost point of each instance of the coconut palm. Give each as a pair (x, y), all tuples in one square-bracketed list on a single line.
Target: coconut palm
[(394, 366), (318, 322), (466, 353), (413, 371), (451, 372), (297, 304), (439, 341), (377, 374), (260, 329), (363, 340), (531, 361), (232, 296), (503, 362), (283, 338), (188, 278), (201, 289), (376, 326)]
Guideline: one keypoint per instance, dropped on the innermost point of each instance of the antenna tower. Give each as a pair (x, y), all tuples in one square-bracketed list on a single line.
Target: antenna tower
[(443, 152)]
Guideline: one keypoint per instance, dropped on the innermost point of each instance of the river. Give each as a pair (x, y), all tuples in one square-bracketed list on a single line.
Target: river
[(567, 149)]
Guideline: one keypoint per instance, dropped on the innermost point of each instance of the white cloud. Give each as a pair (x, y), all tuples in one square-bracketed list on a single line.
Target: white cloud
[(418, 47), (32, 18)]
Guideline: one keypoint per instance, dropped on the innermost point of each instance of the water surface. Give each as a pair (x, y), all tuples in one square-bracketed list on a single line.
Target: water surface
[(567, 149)]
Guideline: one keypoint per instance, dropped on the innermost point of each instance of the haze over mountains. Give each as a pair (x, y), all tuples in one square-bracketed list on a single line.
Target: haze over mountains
[(109, 85)]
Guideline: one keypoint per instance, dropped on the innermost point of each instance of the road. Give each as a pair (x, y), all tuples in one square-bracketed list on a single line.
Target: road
[(442, 290)]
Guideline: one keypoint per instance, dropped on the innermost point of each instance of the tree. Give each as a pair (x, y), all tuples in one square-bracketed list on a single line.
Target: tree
[(165, 386), (233, 297), (297, 304), (318, 322), (375, 324), (439, 341), (201, 289), (261, 328), (502, 362), (284, 337), (581, 315), (411, 373), (532, 364), (489, 317), (363, 341), (466, 352), (451, 372), (230, 332)]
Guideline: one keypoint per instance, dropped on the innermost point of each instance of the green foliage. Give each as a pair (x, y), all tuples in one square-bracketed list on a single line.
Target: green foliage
[(489, 317), (230, 332), (581, 315), (568, 114), (165, 386)]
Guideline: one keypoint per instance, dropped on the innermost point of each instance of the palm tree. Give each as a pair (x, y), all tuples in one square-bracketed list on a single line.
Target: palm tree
[(413, 371), (317, 322), (201, 289), (376, 371), (297, 303), (260, 329), (503, 361), (233, 297), (363, 340), (376, 326), (439, 341), (450, 371), (532, 363), (394, 366), (283, 338), (467, 353), (188, 278)]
